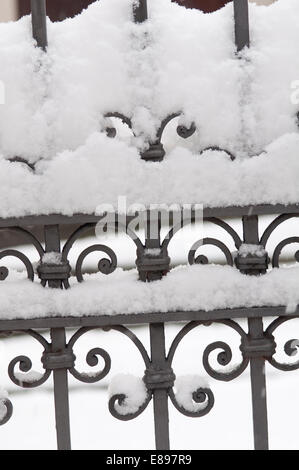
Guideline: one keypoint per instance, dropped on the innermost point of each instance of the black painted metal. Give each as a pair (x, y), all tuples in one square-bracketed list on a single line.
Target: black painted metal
[(258, 385), (241, 24), (251, 263), (154, 150), (152, 261), (140, 11), (39, 23), (229, 211), (142, 318), (58, 351), (157, 337), (259, 346), (51, 273), (22, 160), (9, 410), (61, 390)]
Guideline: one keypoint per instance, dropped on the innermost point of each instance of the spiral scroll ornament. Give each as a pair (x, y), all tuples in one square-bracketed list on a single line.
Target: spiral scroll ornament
[(281, 245), (105, 265), (117, 401), (201, 396), (31, 379), (224, 356), (4, 271), (279, 248), (92, 360), (110, 130), (202, 259), (6, 410), (291, 347), (154, 151), (219, 149)]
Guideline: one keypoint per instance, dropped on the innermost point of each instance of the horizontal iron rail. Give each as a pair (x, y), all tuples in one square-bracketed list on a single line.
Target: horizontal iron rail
[(229, 211), (145, 318)]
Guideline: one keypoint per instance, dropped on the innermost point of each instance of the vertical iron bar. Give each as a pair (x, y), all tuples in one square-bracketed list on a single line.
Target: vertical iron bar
[(52, 244), (61, 395), (160, 398), (52, 238), (242, 38), (140, 11), (157, 341), (39, 23), (153, 229), (258, 390), (250, 229), (257, 364)]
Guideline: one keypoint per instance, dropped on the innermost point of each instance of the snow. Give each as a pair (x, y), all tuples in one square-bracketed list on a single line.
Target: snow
[(133, 388), (185, 288), (249, 249), (3, 394), (84, 181), (101, 62), (52, 258), (185, 386), (291, 307), (152, 252), (28, 377)]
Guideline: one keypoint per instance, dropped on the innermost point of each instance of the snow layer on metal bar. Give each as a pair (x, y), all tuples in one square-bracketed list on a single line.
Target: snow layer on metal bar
[(84, 180), (183, 289)]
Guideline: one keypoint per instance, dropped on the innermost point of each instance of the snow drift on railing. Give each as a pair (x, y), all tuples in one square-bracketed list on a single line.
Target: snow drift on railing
[(179, 60), (133, 391), (186, 288), (185, 386)]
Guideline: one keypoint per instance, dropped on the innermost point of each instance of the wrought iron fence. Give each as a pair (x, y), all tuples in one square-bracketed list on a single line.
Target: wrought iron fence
[(257, 345)]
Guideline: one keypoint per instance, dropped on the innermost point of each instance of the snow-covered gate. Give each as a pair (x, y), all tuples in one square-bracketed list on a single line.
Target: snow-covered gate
[(257, 345)]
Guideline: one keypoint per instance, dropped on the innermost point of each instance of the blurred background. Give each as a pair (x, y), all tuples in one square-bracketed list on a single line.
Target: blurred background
[(58, 10)]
